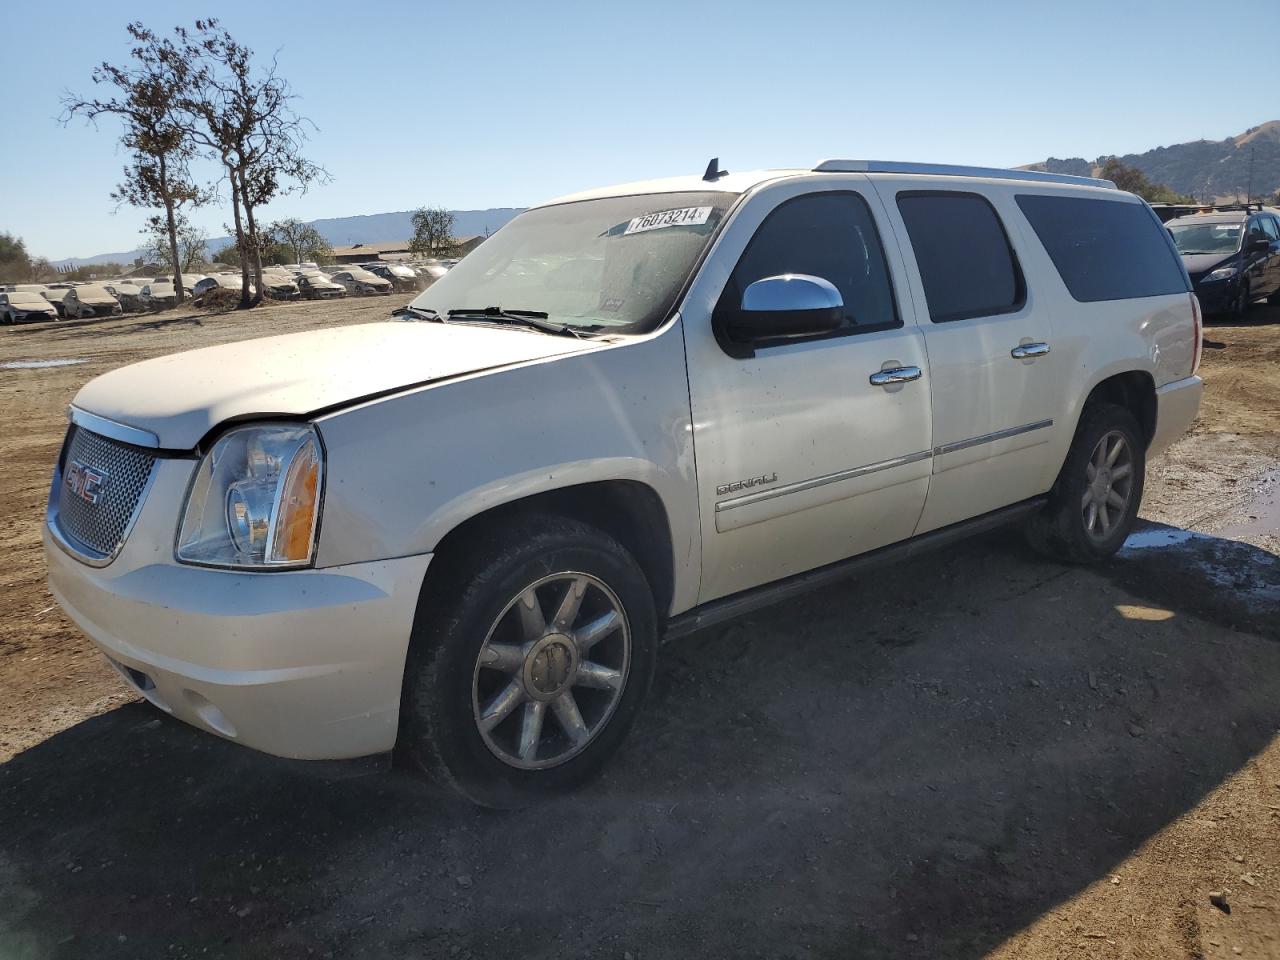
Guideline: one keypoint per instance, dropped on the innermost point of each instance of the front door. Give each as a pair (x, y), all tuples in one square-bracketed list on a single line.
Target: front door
[(989, 339), (801, 459), (1271, 273)]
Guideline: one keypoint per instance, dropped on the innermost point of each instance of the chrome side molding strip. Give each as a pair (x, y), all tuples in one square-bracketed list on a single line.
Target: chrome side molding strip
[(133, 436), (990, 437), (762, 495), (797, 487)]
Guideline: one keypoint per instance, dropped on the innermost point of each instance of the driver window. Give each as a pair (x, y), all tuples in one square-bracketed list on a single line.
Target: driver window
[(828, 235)]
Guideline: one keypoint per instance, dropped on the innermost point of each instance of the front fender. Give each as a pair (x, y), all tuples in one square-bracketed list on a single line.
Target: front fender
[(405, 470)]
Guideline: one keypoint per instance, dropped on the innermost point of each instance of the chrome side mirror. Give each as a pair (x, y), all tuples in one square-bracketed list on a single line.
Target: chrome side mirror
[(790, 305)]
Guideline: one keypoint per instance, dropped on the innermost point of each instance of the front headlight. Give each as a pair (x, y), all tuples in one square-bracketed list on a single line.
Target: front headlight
[(1223, 273), (255, 500)]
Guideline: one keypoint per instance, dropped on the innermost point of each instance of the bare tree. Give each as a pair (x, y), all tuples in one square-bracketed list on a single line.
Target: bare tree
[(190, 248), (302, 240), (432, 232), (243, 116), (149, 91)]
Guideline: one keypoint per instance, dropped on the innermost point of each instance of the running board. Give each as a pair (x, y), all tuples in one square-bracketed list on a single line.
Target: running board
[(735, 605)]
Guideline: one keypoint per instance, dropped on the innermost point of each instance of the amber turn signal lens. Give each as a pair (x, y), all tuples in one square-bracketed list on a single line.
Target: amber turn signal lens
[(299, 503)]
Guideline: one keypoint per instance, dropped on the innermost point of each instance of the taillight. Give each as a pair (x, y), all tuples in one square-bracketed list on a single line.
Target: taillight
[(1198, 333)]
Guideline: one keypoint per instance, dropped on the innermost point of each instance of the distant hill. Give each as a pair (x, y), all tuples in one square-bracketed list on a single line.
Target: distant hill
[(345, 231), (1205, 169)]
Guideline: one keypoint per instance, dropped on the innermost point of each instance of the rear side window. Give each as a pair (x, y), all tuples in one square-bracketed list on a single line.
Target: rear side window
[(828, 235), (1105, 249), (965, 260), (1269, 226)]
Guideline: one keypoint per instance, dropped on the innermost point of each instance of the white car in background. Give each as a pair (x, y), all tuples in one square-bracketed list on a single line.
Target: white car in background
[(315, 285), (127, 292), (90, 300), (226, 281), (465, 537), (401, 277), (158, 295), (279, 285), (361, 282), (21, 306)]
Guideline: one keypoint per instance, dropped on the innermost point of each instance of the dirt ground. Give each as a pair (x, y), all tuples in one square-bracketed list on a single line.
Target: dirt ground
[(976, 754)]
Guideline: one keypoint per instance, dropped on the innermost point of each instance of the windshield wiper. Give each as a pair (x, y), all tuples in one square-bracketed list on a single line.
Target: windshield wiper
[(421, 313), (533, 319)]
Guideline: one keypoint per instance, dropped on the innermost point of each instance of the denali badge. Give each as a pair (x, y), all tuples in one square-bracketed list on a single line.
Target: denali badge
[(84, 481), (746, 484)]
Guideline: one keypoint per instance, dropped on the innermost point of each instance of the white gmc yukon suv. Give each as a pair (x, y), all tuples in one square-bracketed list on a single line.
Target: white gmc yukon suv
[(630, 413)]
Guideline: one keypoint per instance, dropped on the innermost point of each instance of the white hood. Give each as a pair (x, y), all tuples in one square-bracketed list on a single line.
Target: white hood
[(179, 398)]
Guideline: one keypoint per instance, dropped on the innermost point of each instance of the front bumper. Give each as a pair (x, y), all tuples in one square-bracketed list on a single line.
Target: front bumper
[(306, 664), (1177, 405), (1216, 296)]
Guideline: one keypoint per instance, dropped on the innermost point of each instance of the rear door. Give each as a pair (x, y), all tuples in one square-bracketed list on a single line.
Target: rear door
[(802, 459), (994, 379)]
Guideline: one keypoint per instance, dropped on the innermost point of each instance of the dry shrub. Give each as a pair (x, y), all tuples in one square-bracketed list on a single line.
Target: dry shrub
[(219, 298)]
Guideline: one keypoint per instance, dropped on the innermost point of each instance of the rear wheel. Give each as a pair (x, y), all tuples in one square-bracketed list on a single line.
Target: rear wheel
[(1095, 500), (530, 660)]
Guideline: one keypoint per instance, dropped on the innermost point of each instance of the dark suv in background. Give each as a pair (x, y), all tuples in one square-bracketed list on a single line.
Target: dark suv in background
[(1233, 257)]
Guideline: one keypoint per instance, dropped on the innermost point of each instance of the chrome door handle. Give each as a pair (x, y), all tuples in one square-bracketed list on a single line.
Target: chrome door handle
[(1025, 351), (883, 378)]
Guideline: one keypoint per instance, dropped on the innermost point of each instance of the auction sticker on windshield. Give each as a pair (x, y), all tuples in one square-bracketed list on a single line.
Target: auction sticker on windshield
[(684, 217)]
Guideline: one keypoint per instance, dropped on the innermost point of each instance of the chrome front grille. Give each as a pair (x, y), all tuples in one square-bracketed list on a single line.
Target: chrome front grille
[(100, 486)]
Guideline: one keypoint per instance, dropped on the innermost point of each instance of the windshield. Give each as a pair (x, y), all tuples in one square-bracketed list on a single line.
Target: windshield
[(616, 262), (1192, 238)]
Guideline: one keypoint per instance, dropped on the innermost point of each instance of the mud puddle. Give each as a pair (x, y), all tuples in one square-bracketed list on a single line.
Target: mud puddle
[(39, 364)]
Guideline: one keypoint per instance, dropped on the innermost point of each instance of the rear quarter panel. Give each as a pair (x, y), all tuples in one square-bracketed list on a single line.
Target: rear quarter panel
[(1096, 340)]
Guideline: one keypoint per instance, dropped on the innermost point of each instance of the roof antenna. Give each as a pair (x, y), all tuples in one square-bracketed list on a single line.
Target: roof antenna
[(714, 172)]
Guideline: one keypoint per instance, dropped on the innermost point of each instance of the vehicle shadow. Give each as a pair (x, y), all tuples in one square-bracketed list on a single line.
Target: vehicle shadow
[(916, 764), (1260, 313), (107, 326)]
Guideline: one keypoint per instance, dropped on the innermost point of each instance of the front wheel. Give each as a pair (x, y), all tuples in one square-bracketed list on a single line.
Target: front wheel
[(1240, 306), (530, 659), (1095, 500)]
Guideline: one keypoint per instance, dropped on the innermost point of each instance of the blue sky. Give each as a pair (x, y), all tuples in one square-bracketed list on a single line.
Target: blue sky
[(476, 104)]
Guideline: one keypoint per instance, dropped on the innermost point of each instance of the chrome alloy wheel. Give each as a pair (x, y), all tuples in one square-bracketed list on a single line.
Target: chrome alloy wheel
[(562, 647), (1108, 485)]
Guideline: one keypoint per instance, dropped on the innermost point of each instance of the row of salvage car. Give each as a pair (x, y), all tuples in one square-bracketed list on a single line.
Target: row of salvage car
[(27, 302)]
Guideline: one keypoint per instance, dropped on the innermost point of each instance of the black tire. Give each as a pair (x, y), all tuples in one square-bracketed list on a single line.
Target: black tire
[(1274, 298), (439, 730), (1060, 531), (1240, 306)]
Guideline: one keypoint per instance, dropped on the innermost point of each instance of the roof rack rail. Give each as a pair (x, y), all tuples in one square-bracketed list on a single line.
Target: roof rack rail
[(954, 170)]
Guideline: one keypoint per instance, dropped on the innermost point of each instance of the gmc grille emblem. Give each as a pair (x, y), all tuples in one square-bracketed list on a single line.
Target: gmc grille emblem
[(84, 481)]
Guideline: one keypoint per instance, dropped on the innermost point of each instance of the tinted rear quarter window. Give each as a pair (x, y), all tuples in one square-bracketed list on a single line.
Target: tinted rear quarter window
[(1105, 249), (965, 260)]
